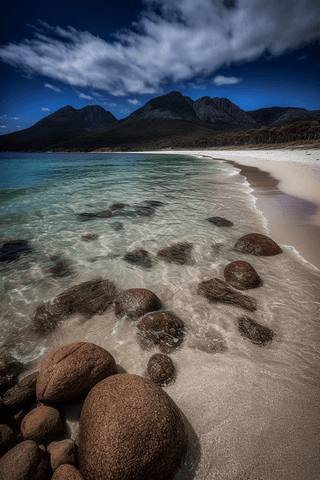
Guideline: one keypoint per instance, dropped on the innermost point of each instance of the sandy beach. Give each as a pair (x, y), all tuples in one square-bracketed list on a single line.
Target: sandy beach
[(285, 183)]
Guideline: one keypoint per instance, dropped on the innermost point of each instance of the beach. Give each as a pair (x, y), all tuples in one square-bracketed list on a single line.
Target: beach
[(286, 185)]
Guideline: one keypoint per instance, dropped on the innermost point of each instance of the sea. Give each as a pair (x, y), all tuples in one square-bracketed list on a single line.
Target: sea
[(252, 412)]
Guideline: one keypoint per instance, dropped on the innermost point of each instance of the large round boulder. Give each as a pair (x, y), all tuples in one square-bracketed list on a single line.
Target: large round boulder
[(130, 429), (136, 302), (25, 461), (70, 371), (241, 275), (43, 425), (257, 244), (162, 328)]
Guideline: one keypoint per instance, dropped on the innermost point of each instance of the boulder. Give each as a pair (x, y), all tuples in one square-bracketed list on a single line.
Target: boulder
[(4, 384), (136, 302), (257, 244), (13, 249), (139, 257), (256, 333), (88, 298), (178, 253), (61, 453), (242, 275), (163, 328), (8, 439), (160, 369), (130, 429), (25, 461), (220, 222), (67, 472), (42, 425), (70, 371), (216, 290), (21, 396)]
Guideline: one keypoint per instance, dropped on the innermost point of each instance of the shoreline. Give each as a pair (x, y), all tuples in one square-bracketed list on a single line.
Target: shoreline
[(285, 184)]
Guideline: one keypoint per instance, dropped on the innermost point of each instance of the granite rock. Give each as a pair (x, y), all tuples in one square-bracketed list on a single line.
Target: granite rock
[(162, 328), (136, 302), (241, 275), (161, 369)]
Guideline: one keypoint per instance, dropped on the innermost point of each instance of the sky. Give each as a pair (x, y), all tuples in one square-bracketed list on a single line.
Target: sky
[(256, 53)]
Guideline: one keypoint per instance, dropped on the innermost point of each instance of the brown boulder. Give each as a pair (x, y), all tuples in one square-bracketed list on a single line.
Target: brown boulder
[(67, 472), (178, 253), (89, 236), (63, 452), (220, 222), (130, 429), (139, 257), (136, 302), (8, 439), (43, 425), (257, 244), (117, 206), (88, 298), (25, 461), (160, 369), (216, 290), (256, 333), (241, 275), (70, 371), (163, 328), (21, 396), (4, 384)]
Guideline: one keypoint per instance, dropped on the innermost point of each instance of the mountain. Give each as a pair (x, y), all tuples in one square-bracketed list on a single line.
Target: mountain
[(62, 125), (274, 116)]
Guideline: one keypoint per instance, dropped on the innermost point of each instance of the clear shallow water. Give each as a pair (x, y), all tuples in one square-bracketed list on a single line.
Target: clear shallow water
[(253, 412)]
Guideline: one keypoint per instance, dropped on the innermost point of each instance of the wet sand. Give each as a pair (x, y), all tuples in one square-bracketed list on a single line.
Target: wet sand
[(286, 185)]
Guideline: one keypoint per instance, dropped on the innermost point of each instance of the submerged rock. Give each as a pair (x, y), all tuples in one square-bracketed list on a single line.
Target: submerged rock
[(154, 203), (130, 429), (89, 236), (136, 302), (117, 206), (88, 298), (139, 257), (220, 222), (256, 333), (12, 249), (216, 290), (257, 244), (178, 253), (242, 275), (70, 371), (60, 268), (24, 461), (162, 328), (160, 369)]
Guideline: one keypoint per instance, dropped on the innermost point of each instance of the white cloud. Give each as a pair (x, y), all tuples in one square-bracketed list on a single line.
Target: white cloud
[(84, 97), (221, 80), (55, 89), (45, 109), (126, 111), (134, 101), (111, 105), (14, 118), (3, 126), (184, 40)]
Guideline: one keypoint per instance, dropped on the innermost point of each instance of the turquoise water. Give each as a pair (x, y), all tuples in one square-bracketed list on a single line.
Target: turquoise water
[(253, 412)]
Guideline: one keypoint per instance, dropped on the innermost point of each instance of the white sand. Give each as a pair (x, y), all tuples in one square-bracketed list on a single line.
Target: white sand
[(292, 219)]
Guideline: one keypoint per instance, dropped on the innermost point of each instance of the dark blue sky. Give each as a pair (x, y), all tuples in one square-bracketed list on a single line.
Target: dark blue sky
[(257, 53)]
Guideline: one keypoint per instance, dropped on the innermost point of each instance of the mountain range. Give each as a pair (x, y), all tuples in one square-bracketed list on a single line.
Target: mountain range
[(164, 117)]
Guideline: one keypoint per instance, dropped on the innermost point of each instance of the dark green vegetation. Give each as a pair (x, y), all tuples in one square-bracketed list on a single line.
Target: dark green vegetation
[(169, 121)]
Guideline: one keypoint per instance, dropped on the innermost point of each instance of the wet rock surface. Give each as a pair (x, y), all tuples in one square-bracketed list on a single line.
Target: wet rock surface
[(21, 396), (130, 428), (253, 331), (89, 236), (136, 302), (61, 453), (216, 290), (162, 328), (257, 244), (139, 257), (12, 249), (241, 275), (88, 298), (220, 222), (42, 425), (179, 253), (160, 369), (67, 472), (24, 461), (70, 371)]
